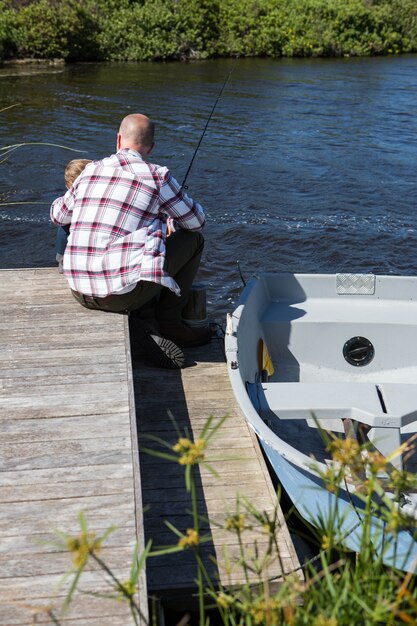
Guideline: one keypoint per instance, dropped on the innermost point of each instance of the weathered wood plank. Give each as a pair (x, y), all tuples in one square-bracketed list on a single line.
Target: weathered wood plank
[(17, 384), (56, 333), (59, 410), (43, 361), (44, 454), (55, 393), (52, 372), (35, 587), (67, 444), (230, 477), (19, 517), (30, 544), (140, 531), (61, 475), (44, 564), (61, 428), (179, 404), (61, 354), (101, 611), (37, 492)]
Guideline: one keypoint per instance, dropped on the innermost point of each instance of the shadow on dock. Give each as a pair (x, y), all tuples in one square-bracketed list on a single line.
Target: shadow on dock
[(162, 410), (175, 403)]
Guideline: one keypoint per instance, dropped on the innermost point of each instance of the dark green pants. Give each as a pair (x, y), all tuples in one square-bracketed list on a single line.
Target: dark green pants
[(183, 254)]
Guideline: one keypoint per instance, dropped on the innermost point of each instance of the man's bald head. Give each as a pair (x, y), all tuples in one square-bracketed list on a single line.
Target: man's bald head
[(137, 132)]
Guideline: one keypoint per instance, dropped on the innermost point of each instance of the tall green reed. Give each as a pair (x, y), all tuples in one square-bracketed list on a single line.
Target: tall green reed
[(338, 587)]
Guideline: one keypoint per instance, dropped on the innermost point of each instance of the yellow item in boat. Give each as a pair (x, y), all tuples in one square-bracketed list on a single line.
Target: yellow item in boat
[(264, 359)]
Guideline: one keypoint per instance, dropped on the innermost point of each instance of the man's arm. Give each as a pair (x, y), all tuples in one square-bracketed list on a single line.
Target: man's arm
[(181, 208)]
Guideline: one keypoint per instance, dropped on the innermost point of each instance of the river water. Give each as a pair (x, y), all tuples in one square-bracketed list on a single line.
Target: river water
[(306, 166)]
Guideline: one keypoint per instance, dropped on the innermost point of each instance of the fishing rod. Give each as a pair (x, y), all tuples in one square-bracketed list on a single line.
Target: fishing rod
[(226, 80)]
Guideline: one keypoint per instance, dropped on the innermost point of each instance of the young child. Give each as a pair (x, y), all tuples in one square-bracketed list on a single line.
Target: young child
[(72, 171)]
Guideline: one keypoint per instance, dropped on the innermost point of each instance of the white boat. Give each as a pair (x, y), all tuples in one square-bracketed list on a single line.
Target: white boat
[(343, 353)]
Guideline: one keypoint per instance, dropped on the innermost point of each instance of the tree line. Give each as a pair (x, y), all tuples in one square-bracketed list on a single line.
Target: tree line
[(152, 30)]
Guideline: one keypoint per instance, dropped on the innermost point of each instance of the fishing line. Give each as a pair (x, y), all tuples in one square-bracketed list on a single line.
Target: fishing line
[(226, 80), (240, 273)]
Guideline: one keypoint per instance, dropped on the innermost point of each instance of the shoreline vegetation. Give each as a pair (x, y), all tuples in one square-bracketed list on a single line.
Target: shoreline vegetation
[(181, 30)]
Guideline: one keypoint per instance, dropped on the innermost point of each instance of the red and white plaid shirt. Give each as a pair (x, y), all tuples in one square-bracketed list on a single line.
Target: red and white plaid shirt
[(117, 210)]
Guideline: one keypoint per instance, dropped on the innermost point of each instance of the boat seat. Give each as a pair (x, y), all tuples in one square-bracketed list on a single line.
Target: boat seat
[(391, 405), (389, 408)]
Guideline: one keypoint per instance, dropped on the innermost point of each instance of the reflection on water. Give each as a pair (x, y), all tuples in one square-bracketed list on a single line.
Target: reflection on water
[(30, 68), (307, 165)]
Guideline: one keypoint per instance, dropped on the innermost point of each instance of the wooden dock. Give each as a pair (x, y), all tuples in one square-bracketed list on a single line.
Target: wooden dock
[(66, 445), (187, 398), (69, 443)]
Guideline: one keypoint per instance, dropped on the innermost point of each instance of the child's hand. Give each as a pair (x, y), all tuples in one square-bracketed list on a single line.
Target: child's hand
[(170, 226)]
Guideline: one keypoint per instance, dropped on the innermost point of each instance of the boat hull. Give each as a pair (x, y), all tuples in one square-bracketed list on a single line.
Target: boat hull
[(305, 322)]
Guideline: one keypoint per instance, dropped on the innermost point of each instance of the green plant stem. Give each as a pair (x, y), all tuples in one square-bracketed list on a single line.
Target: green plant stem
[(196, 524), (278, 551), (119, 585), (242, 556), (53, 618)]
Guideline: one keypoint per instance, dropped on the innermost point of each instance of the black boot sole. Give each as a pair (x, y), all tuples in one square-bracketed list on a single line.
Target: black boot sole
[(163, 352)]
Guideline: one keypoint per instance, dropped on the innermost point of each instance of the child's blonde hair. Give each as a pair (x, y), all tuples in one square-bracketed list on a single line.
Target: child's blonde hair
[(74, 169)]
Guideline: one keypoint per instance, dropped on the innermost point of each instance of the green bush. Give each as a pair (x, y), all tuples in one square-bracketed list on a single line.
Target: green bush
[(158, 30), (7, 31), (136, 32), (197, 27), (66, 30), (140, 30)]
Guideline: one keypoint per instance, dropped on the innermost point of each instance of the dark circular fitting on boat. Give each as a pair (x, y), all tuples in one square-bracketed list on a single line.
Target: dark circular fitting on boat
[(358, 351)]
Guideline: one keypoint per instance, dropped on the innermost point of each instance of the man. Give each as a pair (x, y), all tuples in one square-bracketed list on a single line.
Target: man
[(119, 256)]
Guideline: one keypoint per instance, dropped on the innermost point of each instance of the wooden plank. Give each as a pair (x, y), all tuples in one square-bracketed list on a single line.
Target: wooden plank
[(44, 454), (42, 564), (37, 492), (68, 394), (60, 475), (47, 373), (140, 529), (87, 611), (26, 588), (179, 404), (67, 444), (61, 428), (29, 544), (43, 517)]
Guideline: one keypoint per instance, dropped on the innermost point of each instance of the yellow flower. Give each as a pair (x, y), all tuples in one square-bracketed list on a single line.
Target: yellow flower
[(182, 444), (129, 589), (330, 478), (402, 481), (263, 610), (289, 615), (345, 451), (236, 522), (189, 452), (190, 540), (326, 542), (269, 528), (377, 462), (224, 600), (82, 546)]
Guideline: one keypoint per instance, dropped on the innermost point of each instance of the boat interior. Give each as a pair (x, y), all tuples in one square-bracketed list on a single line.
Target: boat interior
[(339, 351)]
